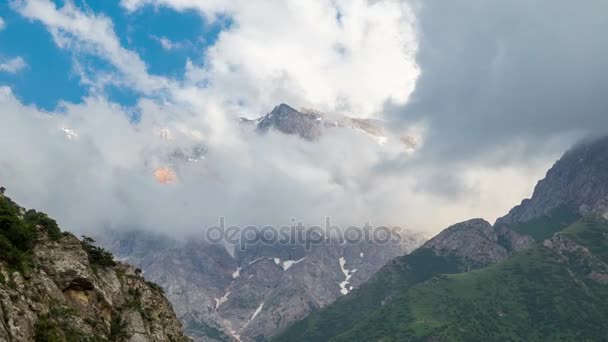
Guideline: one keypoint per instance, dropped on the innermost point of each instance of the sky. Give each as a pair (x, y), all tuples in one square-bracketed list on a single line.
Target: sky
[(98, 96)]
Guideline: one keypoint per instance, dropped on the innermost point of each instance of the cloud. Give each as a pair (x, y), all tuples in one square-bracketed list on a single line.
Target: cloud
[(13, 65), (103, 176), (467, 79), (321, 54), (166, 43), (496, 74), (2, 24)]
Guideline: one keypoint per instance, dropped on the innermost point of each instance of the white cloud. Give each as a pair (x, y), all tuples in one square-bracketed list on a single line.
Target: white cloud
[(166, 43), (2, 24), (322, 54), (13, 65), (336, 56), (104, 177)]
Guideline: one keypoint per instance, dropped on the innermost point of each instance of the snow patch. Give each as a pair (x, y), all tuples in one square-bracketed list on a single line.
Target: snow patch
[(257, 311), (287, 264), (231, 249), (221, 300), (255, 260), (277, 261), (347, 274), (236, 273), (235, 335)]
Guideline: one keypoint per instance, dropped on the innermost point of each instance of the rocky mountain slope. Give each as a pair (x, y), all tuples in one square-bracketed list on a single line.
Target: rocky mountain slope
[(54, 287), (577, 183), (311, 125), (251, 294), (574, 190)]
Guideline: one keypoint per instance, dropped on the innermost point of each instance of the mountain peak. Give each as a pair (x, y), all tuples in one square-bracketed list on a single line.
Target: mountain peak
[(578, 181), (288, 120), (284, 107)]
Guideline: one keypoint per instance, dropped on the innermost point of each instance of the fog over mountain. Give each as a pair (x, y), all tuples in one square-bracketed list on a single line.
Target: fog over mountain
[(488, 92)]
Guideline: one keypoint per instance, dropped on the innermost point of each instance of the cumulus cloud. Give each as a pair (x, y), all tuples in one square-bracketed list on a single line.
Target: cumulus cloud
[(91, 166), (321, 54), (103, 176), (12, 65)]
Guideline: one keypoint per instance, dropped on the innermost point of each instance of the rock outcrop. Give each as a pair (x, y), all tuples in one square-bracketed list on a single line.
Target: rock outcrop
[(474, 241), (61, 292), (578, 181)]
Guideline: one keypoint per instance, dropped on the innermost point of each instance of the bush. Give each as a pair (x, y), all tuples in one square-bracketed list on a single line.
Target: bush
[(17, 237), (34, 218), (118, 329), (97, 255), (47, 331)]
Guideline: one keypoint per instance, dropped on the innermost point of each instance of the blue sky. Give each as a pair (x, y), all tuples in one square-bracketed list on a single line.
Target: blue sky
[(49, 75)]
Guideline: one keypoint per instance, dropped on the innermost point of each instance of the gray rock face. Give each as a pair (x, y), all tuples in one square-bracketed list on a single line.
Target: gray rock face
[(578, 257), (474, 240), (310, 125), (290, 121), (63, 291), (255, 293), (579, 181)]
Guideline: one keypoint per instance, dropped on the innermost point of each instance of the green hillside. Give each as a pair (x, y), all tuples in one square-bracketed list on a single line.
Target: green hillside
[(393, 282), (551, 292)]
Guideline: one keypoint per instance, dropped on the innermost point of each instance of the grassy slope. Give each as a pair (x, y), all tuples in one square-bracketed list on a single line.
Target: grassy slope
[(398, 276), (544, 227), (532, 296)]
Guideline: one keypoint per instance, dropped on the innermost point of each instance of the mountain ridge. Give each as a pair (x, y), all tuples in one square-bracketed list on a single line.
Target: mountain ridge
[(570, 191)]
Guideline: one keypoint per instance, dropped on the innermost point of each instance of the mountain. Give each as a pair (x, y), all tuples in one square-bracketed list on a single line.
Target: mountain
[(223, 294), (54, 287), (555, 291), (311, 125), (179, 146), (514, 280)]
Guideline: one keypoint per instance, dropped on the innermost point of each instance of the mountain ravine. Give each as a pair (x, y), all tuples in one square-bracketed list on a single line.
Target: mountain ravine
[(54, 287)]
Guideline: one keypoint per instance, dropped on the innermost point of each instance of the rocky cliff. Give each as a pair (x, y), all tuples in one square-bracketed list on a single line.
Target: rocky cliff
[(54, 287), (578, 182)]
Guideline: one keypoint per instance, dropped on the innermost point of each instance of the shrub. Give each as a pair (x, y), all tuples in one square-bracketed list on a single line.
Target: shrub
[(36, 218), (16, 236), (46, 330), (97, 255)]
